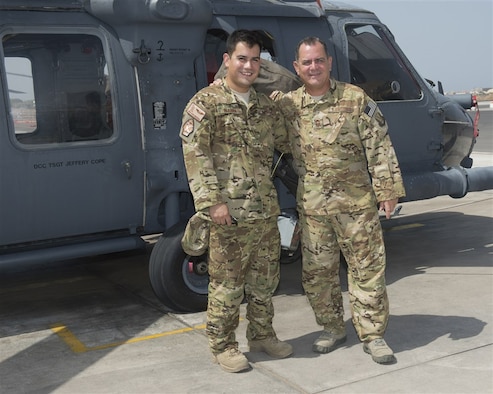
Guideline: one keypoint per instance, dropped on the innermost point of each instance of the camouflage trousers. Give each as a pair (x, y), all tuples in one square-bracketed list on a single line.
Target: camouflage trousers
[(359, 237), (243, 262)]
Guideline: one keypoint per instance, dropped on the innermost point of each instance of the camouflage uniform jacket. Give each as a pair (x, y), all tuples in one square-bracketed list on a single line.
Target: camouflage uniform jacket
[(344, 155), (228, 149)]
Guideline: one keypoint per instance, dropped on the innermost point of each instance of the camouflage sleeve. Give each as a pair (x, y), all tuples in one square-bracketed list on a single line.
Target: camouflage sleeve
[(281, 138), (290, 116), (196, 133), (382, 161), (287, 109)]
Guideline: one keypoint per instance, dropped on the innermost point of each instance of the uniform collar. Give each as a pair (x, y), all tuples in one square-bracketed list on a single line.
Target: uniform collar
[(306, 99), (232, 96)]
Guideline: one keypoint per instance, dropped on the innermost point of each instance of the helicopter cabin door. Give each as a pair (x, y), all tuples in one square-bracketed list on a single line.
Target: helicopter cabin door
[(71, 163)]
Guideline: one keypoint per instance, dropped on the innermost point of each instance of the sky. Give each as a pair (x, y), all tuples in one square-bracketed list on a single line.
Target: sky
[(446, 40)]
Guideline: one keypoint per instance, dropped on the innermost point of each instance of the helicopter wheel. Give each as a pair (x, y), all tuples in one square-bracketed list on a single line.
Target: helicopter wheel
[(180, 281)]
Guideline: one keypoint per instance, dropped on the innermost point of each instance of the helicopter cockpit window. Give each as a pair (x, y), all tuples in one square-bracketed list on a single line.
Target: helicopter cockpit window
[(59, 88), (376, 67)]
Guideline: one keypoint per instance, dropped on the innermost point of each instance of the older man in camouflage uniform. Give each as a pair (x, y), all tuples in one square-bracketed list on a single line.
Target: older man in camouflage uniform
[(229, 133), (347, 165)]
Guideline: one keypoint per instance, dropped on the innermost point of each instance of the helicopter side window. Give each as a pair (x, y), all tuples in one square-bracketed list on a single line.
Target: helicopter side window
[(267, 51), (58, 88), (376, 67)]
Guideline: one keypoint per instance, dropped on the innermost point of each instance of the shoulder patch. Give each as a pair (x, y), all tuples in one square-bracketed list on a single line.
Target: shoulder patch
[(195, 112), (370, 109), (187, 128)]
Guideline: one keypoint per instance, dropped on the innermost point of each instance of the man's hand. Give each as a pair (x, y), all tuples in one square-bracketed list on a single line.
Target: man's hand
[(388, 207), (216, 82), (220, 214)]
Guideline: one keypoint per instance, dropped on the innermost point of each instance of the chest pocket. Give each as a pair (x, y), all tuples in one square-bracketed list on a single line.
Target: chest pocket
[(229, 123), (262, 122), (328, 123)]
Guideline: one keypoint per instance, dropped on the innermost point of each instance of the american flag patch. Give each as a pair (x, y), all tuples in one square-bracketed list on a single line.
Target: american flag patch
[(370, 109)]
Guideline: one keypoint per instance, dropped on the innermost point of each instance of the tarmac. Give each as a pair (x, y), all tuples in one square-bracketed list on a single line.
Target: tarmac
[(94, 326)]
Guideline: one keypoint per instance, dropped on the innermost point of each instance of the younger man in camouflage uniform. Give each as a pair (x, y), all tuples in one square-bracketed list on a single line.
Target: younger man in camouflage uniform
[(229, 133), (346, 164)]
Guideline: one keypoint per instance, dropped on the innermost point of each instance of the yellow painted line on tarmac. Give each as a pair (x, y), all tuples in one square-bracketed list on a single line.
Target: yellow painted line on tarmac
[(70, 339), (77, 346), (405, 227)]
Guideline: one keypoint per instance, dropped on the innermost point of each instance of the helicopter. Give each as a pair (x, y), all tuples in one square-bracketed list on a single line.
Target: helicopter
[(90, 155)]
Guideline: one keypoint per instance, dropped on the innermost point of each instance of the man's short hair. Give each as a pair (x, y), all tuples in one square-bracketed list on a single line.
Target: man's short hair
[(310, 41), (249, 37)]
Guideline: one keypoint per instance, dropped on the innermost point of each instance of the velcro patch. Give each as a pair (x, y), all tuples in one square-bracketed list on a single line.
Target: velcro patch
[(195, 112), (339, 109), (222, 110), (370, 109)]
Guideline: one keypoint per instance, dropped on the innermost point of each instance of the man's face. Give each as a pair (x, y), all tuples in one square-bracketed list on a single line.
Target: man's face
[(313, 67), (243, 67)]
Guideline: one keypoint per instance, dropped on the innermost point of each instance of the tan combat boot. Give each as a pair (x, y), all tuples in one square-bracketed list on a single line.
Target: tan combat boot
[(380, 352), (272, 346), (232, 360), (328, 341)]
